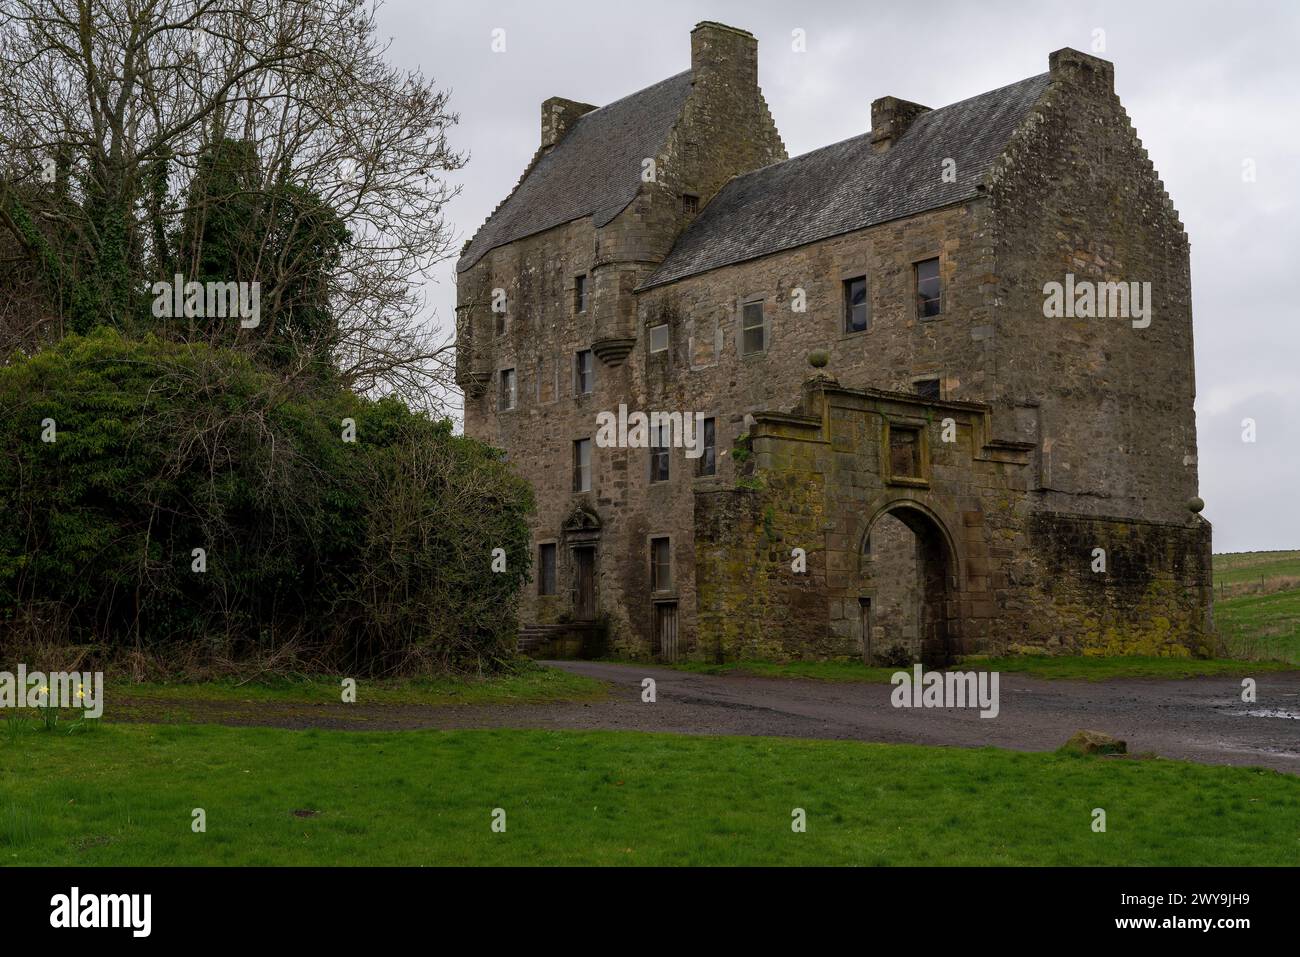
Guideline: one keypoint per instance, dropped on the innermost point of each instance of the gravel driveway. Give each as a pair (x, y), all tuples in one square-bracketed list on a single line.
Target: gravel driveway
[(1199, 719)]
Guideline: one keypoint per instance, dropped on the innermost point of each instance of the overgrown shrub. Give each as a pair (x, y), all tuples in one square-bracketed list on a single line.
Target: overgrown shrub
[(372, 556)]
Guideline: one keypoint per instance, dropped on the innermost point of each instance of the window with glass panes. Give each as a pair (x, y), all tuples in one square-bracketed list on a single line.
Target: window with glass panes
[(709, 440), (661, 565), (582, 465), (929, 293), (546, 569), (659, 439), (753, 330), (583, 370), (857, 312)]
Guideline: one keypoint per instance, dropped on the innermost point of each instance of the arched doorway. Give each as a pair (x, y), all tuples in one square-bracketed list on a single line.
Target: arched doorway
[(909, 577)]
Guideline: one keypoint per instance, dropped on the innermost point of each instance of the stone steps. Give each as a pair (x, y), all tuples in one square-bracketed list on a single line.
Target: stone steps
[(569, 640)]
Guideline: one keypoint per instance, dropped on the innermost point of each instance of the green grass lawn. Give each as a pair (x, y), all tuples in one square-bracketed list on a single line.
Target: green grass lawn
[(1077, 668), (1263, 625), (529, 683), (124, 794)]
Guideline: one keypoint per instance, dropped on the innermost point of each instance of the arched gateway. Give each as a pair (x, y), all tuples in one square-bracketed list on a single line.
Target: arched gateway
[(922, 541), (910, 577)]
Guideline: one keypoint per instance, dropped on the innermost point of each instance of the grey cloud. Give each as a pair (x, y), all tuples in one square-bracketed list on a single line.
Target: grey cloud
[(1207, 86)]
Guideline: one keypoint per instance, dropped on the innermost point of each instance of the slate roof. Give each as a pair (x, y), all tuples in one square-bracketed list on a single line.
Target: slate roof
[(595, 170), (845, 186)]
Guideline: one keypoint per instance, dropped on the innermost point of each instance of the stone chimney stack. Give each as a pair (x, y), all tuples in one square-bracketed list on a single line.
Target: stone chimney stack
[(890, 119), (722, 52), (558, 117), (1071, 66)]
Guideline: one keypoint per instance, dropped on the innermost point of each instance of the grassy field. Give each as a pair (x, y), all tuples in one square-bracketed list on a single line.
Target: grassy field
[(1267, 626), (529, 684), (1081, 669), (124, 794), (1236, 568), (102, 794), (1257, 604)]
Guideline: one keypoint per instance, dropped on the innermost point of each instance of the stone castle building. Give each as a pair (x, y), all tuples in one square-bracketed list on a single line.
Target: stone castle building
[(910, 443)]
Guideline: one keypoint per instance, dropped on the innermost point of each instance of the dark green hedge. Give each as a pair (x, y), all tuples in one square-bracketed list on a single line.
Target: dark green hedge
[(373, 555)]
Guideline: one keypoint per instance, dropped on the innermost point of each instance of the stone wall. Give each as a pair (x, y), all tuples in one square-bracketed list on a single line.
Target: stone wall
[(752, 603), (725, 128), (1076, 193), (1070, 433), (1011, 578), (1147, 593), (704, 370)]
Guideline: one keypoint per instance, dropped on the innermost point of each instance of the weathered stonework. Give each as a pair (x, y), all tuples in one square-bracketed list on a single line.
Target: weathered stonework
[(996, 575), (1050, 438)]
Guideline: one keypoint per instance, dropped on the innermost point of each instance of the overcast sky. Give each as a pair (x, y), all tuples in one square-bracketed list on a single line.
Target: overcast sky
[(1208, 86)]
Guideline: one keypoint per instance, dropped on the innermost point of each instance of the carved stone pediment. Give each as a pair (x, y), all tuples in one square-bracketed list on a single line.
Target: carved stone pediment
[(583, 524)]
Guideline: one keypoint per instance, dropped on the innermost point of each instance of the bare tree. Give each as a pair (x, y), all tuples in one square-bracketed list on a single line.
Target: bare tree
[(109, 111)]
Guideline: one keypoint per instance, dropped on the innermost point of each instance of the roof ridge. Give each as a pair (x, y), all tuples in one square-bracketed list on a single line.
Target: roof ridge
[(586, 173), (651, 86), (857, 136), (847, 186)]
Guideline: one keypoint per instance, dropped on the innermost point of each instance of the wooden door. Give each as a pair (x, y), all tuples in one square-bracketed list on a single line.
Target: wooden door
[(584, 583), (666, 629)]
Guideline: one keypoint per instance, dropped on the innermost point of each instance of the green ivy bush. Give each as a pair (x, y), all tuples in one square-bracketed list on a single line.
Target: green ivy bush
[(371, 556)]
